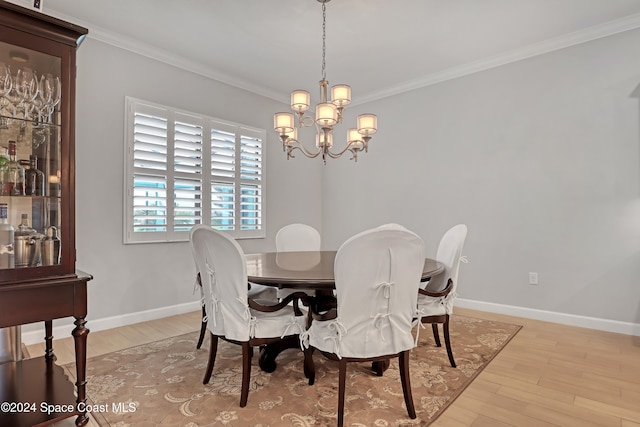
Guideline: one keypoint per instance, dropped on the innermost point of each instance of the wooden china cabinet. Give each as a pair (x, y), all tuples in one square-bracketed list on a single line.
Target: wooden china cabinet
[(38, 277)]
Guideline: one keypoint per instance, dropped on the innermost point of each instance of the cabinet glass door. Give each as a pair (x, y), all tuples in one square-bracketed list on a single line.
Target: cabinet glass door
[(30, 158)]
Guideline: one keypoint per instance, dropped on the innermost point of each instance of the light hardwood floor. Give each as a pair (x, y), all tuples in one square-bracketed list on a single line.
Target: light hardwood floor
[(549, 375)]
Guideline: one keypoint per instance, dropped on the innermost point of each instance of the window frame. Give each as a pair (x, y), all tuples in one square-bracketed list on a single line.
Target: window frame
[(244, 136)]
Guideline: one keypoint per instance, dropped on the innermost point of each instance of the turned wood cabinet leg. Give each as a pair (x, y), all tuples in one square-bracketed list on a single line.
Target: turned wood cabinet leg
[(48, 339), (80, 333)]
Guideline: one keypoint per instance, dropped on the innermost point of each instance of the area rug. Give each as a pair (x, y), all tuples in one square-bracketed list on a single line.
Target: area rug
[(160, 384)]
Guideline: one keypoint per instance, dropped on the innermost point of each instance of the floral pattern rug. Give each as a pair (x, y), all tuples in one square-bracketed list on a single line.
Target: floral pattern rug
[(160, 383)]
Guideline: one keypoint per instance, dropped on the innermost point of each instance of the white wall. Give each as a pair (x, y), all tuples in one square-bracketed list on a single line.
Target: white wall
[(539, 158), (134, 278)]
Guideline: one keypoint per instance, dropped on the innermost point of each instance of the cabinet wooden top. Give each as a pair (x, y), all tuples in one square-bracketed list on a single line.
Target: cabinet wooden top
[(39, 24)]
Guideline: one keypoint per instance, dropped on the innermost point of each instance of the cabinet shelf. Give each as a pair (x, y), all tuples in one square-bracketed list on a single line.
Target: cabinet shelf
[(22, 383)]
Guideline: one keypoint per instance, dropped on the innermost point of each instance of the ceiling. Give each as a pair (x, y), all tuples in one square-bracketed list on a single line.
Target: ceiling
[(378, 47)]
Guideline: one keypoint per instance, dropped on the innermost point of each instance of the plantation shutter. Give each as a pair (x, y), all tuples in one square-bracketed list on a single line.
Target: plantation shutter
[(187, 183), (250, 182), (184, 169), (149, 201)]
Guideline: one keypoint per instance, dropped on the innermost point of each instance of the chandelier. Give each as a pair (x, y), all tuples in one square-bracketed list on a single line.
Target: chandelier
[(328, 114)]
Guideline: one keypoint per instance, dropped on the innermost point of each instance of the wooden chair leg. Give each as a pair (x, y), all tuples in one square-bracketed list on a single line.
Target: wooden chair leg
[(341, 386), (203, 328), (309, 367), (447, 341), (436, 335), (406, 383), (247, 351), (213, 350)]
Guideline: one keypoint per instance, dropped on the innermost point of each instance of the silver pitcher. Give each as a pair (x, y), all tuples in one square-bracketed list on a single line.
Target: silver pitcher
[(26, 249)]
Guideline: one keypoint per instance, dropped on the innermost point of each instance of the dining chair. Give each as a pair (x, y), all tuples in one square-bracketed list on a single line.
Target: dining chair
[(377, 274), (297, 238), (256, 292), (435, 300), (233, 316)]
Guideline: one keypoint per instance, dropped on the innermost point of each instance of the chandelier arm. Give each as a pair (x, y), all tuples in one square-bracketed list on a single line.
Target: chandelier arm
[(294, 144), (304, 120), (349, 147)]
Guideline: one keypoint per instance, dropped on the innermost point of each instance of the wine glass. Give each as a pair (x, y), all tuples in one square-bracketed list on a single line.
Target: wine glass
[(43, 100), (5, 87), (26, 86), (56, 94)]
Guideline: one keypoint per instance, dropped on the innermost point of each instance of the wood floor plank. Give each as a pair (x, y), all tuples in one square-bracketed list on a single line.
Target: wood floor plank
[(630, 414)]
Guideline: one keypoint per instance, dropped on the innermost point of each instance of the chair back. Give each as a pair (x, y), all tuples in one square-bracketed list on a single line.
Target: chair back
[(449, 254), (223, 273), (297, 237), (377, 273)]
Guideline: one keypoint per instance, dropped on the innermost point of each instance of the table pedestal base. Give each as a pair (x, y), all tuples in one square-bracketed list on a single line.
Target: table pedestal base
[(269, 352)]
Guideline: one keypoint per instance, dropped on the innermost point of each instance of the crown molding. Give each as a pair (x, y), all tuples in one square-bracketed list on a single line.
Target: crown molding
[(606, 29), (168, 57)]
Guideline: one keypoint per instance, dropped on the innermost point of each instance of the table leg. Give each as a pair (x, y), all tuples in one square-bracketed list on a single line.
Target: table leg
[(381, 366), (80, 333)]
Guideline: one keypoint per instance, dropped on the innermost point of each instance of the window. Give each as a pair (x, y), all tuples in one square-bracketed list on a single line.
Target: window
[(184, 169)]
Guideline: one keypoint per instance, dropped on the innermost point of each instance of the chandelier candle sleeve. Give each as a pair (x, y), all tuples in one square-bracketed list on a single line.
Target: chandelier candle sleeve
[(300, 100), (354, 138), (367, 124), (326, 114), (283, 123), (341, 95), (324, 140)]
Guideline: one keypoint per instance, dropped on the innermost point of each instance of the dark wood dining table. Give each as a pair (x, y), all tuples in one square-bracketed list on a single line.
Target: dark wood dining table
[(312, 270)]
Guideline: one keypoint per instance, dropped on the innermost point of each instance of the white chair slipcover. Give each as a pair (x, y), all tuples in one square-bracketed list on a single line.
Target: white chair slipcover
[(297, 238), (436, 309), (377, 273), (222, 267), (256, 292)]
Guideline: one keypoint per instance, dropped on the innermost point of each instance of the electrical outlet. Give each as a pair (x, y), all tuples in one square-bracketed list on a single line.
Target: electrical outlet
[(533, 278)]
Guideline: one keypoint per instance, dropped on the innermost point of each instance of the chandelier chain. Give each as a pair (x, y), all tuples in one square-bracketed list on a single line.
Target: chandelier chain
[(324, 40)]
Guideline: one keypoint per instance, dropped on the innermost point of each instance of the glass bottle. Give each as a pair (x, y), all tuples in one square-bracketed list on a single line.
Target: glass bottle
[(7, 259), (15, 173), (34, 179), (4, 160), (24, 228)]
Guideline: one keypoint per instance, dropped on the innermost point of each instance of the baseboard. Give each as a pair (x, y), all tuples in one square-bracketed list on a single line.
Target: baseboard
[(626, 328), (64, 330)]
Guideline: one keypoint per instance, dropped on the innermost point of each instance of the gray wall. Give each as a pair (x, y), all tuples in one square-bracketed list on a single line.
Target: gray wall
[(135, 278), (539, 158)]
